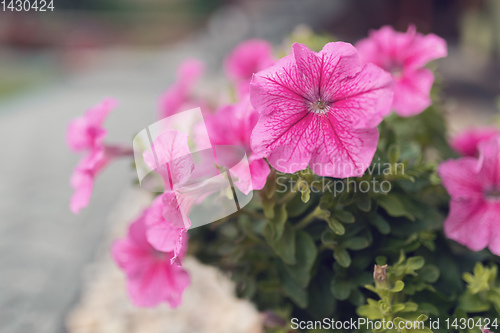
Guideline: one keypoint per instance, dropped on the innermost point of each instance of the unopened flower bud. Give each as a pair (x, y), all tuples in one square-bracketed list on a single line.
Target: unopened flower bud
[(379, 273)]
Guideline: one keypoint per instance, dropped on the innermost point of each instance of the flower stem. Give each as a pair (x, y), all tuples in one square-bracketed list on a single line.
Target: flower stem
[(253, 214), (308, 219), (117, 150), (290, 195)]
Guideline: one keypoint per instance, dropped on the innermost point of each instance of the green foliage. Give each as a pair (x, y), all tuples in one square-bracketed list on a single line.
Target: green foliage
[(483, 290)]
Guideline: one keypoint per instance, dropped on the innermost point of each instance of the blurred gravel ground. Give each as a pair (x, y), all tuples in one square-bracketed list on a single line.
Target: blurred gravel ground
[(209, 304)]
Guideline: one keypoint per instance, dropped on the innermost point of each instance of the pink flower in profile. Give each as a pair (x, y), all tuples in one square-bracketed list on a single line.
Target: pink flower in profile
[(233, 125), (167, 223), (179, 94), (151, 277), (167, 220), (246, 59), (474, 188), (83, 177), (405, 55), (320, 109), (466, 143), (87, 132)]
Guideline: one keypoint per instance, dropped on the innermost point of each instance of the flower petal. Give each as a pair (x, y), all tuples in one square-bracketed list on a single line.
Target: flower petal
[(171, 158), (364, 100), (279, 88), (342, 151), (412, 92), (489, 164), (469, 223), (460, 178), (425, 49), (466, 142)]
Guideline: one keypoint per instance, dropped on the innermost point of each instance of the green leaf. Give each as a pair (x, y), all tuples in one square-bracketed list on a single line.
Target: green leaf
[(342, 257), (398, 286), (398, 307), (422, 317), (296, 207), (306, 252), (371, 311), (473, 303), (394, 207), (328, 237), (414, 263), (394, 154), (410, 307), (341, 289), (356, 243), (356, 298), (428, 308), (336, 226), (322, 303), (268, 206), (305, 192), (381, 224), (344, 216), (292, 289), (364, 203), (278, 220), (270, 187), (285, 246), (429, 273)]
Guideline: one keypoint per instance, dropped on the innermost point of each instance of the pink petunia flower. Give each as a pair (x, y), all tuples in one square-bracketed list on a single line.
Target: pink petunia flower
[(84, 174), (82, 180), (248, 58), (233, 125), (86, 132), (151, 277), (179, 94), (474, 187), (320, 109), (466, 143), (405, 55), (167, 221)]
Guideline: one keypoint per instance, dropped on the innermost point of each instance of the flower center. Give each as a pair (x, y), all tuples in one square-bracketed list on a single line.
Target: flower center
[(492, 195), (320, 107), (158, 254), (395, 68)]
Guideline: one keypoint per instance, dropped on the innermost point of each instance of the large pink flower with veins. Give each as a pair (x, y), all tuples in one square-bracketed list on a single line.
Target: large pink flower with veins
[(151, 276), (320, 109), (405, 55), (467, 142), (233, 125), (87, 132), (474, 187), (246, 59)]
